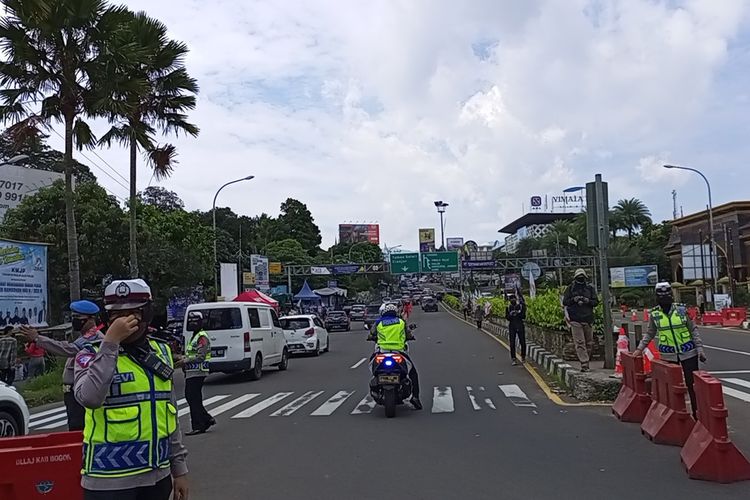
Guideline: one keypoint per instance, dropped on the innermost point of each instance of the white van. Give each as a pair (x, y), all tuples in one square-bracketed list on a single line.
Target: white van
[(245, 336)]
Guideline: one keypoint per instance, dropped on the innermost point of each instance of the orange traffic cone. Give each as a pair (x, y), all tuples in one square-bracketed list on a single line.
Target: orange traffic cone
[(623, 346), (634, 316), (645, 315), (650, 353)]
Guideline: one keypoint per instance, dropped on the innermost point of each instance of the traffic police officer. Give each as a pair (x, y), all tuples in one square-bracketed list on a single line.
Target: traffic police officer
[(677, 337), (84, 325), (195, 364), (132, 446)]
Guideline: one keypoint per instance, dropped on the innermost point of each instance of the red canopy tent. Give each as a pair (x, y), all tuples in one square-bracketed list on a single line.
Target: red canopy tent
[(257, 296)]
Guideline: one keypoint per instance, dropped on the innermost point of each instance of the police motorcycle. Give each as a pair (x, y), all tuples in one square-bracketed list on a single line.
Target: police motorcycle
[(390, 385)]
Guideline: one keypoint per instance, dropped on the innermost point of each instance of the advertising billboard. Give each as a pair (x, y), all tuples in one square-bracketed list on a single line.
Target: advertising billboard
[(259, 267), (23, 283), (427, 239), (623, 277), (454, 243), (16, 183), (359, 233)]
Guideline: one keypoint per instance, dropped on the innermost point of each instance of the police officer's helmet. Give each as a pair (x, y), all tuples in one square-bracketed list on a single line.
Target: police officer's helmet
[(126, 295), (390, 308), (663, 289)]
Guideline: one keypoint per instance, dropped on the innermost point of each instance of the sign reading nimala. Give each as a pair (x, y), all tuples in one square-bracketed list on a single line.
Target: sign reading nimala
[(23, 283)]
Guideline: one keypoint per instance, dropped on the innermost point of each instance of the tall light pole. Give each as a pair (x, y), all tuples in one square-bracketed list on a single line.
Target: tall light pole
[(441, 206), (213, 211), (710, 224)]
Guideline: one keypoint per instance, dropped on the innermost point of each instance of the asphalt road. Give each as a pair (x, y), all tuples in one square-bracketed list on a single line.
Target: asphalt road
[(306, 433)]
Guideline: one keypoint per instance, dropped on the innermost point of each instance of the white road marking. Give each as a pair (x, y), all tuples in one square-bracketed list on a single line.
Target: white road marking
[(332, 404), (488, 401), (53, 425), (259, 407), (49, 419), (736, 394), (364, 406), (206, 402), (730, 372), (295, 405), (358, 363), (737, 381), (442, 400), (472, 398), (47, 412), (727, 350), (231, 404), (516, 395)]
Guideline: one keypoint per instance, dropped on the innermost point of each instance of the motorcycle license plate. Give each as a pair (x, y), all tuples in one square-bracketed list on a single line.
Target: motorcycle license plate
[(388, 379)]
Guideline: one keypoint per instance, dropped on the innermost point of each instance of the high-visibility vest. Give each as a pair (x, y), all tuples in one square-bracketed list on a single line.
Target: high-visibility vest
[(673, 335), (192, 351), (392, 334), (130, 433)]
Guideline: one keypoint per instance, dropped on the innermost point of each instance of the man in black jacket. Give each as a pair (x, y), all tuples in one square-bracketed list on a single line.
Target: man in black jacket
[(515, 313), (580, 299)]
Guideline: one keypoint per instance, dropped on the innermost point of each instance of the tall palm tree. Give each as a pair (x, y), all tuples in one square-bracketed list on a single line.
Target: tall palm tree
[(633, 214), (159, 103), (49, 73)]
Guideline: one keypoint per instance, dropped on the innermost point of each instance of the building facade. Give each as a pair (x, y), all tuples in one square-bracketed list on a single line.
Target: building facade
[(531, 225)]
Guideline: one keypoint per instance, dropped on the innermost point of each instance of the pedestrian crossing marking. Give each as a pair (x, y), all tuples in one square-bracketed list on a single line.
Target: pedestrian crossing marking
[(516, 395), (737, 381), (442, 400), (259, 407), (365, 406), (47, 412), (295, 405), (231, 404), (332, 404), (209, 401), (473, 398), (736, 394)]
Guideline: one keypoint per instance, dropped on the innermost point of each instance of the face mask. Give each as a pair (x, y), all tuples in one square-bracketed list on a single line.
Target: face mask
[(78, 324), (665, 303), (580, 280)]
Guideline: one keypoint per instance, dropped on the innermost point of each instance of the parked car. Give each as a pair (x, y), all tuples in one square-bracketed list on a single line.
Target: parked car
[(338, 320), (14, 414), (372, 313), (429, 304), (245, 336), (305, 334), (358, 312)]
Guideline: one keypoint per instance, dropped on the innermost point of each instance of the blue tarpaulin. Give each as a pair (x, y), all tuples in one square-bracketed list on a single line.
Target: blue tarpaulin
[(306, 293)]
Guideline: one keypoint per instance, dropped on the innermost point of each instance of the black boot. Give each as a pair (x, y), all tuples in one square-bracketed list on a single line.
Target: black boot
[(416, 403)]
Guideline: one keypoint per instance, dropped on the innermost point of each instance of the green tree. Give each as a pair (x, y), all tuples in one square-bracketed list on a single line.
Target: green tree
[(633, 214), (161, 198), (164, 93), (51, 59), (296, 222), (287, 251), (101, 228)]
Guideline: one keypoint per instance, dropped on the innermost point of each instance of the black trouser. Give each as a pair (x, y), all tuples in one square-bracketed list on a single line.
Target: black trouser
[(76, 413), (517, 330), (8, 376), (199, 417), (688, 367), (160, 491), (479, 324)]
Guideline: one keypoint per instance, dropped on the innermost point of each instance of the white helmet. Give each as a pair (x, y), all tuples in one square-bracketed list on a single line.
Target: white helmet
[(127, 294), (390, 308)]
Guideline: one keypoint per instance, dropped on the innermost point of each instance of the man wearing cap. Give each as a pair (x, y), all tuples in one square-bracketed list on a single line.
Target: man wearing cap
[(677, 337), (580, 299), (195, 364), (85, 326), (132, 444)]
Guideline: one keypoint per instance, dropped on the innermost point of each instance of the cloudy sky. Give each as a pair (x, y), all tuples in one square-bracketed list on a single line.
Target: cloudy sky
[(371, 110)]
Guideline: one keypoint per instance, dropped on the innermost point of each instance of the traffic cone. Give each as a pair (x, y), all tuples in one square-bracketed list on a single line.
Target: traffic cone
[(634, 316), (623, 346), (650, 353), (645, 315)]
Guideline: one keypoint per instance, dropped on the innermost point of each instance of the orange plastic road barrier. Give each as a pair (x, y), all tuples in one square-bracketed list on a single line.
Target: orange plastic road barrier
[(693, 313), (733, 316), (667, 420), (711, 318), (45, 466), (645, 315), (709, 454), (633, 401)]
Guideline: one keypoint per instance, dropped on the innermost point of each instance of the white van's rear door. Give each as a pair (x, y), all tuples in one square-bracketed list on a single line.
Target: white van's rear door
[(225, 327)]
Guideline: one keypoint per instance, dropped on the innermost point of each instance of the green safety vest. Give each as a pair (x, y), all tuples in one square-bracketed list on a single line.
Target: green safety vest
[(674, 337), (392, 334), (130, 433), (192, 351)]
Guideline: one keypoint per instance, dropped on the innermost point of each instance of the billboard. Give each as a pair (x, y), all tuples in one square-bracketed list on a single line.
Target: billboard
[(228, 280), (359, 233), (23, 283), (177, 304), (16, 183), (454, 243), (623, 277), (259, 267), (427, 239)]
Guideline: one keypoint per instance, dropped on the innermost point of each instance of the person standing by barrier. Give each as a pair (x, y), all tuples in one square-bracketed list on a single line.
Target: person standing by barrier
[(36, 359), (85, 328), (479, 315), (515, 313), (8, 353), (196, 365), (580, 299), (677, 337)]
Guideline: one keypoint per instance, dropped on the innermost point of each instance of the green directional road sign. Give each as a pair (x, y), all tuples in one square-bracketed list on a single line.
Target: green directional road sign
[(404, 263), (439, 262)]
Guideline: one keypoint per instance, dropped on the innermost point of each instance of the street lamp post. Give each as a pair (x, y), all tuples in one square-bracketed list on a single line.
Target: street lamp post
[(441, 206), (213, 212), (15, 159), (710, 223)]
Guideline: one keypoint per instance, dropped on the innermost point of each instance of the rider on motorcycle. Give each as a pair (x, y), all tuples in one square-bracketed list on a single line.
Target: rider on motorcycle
[(391, 334)]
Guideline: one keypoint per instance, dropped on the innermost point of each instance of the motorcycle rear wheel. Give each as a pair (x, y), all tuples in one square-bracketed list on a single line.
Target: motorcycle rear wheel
[(389, 401)]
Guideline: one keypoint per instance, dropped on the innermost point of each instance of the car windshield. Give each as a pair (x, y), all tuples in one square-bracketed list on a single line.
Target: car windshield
[(294, 323), (358, 308)]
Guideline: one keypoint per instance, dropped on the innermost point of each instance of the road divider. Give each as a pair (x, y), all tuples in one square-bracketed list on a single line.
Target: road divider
[(667, 420), (633, 401)]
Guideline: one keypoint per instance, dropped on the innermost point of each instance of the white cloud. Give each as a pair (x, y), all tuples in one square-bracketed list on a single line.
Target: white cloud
[(372, 110)]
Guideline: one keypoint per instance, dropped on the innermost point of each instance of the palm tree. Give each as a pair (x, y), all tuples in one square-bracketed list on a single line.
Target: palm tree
[(136, 112), (50, 73), (633, 214)]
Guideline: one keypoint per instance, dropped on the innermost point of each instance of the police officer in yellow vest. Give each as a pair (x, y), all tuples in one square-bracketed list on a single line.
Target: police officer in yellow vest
[(677, 337), (132, 446), (391, 334), (196, 366)]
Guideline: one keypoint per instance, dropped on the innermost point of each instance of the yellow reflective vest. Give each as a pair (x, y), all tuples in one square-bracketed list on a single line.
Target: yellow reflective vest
[(192, 352), (130, 433), (674, 337), (392, 334)]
